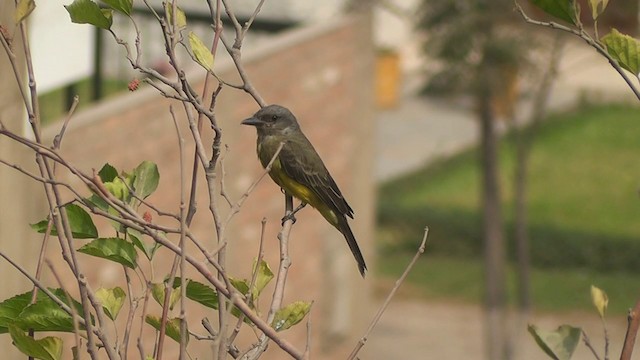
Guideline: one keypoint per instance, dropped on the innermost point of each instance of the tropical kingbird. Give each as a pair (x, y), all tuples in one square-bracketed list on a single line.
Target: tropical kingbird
[(299, 170)]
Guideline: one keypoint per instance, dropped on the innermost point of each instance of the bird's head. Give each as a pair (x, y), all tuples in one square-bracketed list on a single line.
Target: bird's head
[(272, 119)]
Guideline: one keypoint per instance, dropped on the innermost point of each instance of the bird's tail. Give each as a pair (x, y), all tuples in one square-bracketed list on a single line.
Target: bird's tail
[(343, 227)]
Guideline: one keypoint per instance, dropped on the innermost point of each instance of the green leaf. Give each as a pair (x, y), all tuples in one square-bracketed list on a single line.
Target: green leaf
[(199, 293), (43, 315), (597, 7), (181, 20), (200, 51), (48, 348), (46, 315), (123, 6), (566, 10), (146, 179), (97, 202), (157, 291), (11, 308), (147, 249), (113, 249), (202, 294), (107, 173), (263, 277), (23, 9), (600, 300), (290, 315), (624, 49), (111, 300), (88, 12), (559, 344), (173, 327), (82, 226)]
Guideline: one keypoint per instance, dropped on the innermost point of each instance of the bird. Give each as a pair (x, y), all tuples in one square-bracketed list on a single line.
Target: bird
[(300, 172)]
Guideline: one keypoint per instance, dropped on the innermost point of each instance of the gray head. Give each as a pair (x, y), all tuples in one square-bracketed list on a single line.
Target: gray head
[(273, 119)]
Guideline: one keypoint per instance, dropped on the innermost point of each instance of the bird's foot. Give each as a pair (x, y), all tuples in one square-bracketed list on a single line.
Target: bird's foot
[(288, 217), (291, 216)]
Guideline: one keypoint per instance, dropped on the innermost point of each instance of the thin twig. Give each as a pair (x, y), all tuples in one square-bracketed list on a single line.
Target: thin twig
[(587, 342), (145, 303), (57, 140), (584, 36), (307, 349), (178, 258), (254, 276), (238, 205), (393, 291), (74, 314), (183, 226), (133, 306), (606, 338)]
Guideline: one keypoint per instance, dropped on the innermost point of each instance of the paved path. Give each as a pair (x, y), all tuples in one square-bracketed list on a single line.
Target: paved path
[(430, 330)]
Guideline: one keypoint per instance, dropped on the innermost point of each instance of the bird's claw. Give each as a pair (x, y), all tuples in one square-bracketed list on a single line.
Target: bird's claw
[(291, 216)]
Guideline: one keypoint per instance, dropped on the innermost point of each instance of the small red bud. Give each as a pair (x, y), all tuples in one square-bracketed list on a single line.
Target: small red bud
[(134, 84)]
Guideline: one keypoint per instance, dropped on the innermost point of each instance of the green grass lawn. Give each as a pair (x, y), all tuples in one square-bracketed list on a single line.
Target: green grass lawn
[(584, 212)]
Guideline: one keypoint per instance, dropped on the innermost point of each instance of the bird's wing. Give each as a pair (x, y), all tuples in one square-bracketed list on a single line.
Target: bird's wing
[(301, 162)]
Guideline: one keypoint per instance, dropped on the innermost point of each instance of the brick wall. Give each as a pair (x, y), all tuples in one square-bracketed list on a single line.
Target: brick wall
[(324, 75)]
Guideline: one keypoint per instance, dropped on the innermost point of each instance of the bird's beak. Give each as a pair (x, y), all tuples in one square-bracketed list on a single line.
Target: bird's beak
[(251, 121)]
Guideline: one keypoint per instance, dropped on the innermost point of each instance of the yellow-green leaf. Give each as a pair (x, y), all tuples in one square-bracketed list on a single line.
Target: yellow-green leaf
[(558, 344), (263, 277), (290, 315), (600, 300), (88, 12), (48, 348), (157, 291), (111, 300), (23, 9), (172, 327), (597, 7), (624, 49), (201, 53), (181, 19)]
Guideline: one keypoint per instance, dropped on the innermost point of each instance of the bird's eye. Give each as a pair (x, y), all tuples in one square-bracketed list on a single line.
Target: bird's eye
[(274, 117)]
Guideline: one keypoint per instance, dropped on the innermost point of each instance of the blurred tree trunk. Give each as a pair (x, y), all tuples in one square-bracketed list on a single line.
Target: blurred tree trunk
[(525, 136), (493, 230)]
